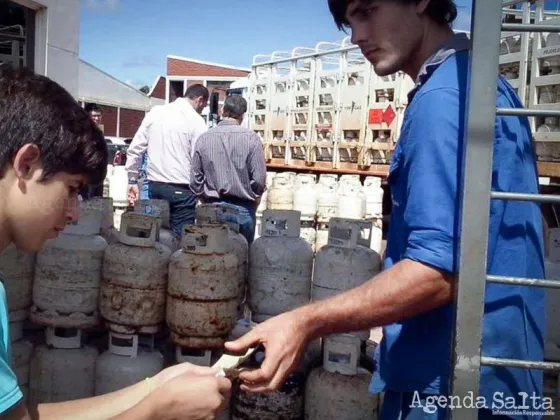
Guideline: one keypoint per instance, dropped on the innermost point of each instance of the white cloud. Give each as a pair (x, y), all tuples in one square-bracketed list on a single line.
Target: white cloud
[(103, 4), (140, 61)]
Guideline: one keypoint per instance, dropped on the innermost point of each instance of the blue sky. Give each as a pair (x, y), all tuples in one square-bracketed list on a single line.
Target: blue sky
[(130, 39)]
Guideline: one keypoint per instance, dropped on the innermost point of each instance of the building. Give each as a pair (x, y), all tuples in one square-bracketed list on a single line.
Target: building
[(123, 106), (44, 36), (182, 72)]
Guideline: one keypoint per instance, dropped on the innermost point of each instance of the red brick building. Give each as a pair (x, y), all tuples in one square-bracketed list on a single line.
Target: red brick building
[(183, 72), (123, 106)]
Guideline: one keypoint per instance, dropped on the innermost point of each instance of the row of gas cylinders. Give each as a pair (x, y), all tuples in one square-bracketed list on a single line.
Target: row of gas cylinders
[(324, 198), (205, 279), (330, 383)]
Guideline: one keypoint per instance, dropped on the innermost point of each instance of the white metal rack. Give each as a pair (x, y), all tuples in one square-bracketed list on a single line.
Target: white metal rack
[(473, 276)]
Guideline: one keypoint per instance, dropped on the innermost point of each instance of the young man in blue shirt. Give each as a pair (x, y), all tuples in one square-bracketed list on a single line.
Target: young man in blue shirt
[(49, 149), (413, 297)]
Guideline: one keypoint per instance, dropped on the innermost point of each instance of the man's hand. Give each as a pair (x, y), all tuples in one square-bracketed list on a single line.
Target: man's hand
[(284, 337), (133, 194)]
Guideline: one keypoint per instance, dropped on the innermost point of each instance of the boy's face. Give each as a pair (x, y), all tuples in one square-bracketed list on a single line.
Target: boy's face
[(37, 211)]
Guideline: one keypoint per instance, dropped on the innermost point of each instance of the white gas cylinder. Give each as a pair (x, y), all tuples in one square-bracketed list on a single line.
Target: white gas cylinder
[(322, 235), (118, 186), (280, 266), (280, 194), (205, 282), (351, 201), (125, 363), (68, 273), (134, 282), (346, 262), (328, 179), (374, 196), (63, 369), (305, 196), (327, 203)]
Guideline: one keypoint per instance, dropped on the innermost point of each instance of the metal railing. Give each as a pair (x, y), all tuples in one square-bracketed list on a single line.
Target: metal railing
[(473, 277)]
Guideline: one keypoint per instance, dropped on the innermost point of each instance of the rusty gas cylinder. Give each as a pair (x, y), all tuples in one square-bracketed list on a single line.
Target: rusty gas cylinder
[(204, 284), (134, 283)]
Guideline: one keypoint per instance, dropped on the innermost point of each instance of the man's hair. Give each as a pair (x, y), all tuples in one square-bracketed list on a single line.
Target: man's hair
[(197, 91), (235, 106), (440, 11), (36, 110), (89, 108)]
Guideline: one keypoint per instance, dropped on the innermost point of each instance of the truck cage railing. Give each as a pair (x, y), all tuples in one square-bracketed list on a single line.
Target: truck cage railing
[(473, 276)]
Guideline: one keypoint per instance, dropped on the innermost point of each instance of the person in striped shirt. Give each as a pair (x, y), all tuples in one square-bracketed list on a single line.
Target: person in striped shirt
[(228, 166)]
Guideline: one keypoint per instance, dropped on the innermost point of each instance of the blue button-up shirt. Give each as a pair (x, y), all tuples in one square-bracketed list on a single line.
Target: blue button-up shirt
[(425, 180)]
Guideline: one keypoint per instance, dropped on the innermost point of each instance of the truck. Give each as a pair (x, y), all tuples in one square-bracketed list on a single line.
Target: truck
[(323, 109)]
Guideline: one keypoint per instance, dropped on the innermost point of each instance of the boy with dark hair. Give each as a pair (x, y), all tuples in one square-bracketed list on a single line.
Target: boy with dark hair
[(49, 149), (412, 299)]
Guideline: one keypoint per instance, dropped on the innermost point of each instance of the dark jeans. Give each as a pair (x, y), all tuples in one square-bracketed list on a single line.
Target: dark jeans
[(92, 191), (404, 406), (247, 215), (182, 203)]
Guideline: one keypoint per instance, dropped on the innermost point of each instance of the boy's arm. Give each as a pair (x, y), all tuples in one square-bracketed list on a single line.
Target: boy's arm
[(103, 407)]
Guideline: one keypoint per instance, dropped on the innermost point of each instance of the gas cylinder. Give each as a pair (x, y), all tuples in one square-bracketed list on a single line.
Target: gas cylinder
[(21, 356), (345, 262), (160, 209), (334, 396), (63, 369), (125, 363), (280, 266), (118, 185), (339, 389), (223, 214), (134, 283), (327, 203), (351, 200), (68, 273), (108, 231), (280, 195), (16, 271), (204, 285), (263, 202), (305, 196), (285, 403), (374, 196)]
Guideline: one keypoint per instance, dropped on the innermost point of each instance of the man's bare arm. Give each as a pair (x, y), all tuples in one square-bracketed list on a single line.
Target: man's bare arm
[(404, 291)]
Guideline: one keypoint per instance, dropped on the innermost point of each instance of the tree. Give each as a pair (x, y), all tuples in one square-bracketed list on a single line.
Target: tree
[(145, 89)]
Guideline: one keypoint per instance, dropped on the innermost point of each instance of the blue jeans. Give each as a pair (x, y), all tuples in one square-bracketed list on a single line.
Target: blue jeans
[(404, 406), (182, 203), (247, 216), (145, 192)]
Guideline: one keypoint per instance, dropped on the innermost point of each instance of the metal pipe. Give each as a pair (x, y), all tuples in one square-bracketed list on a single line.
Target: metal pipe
[(518, 281), (476, 187), (529, 27), (508, 3), (522, 364), (522, 112), (537, 198), (310, 55)]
